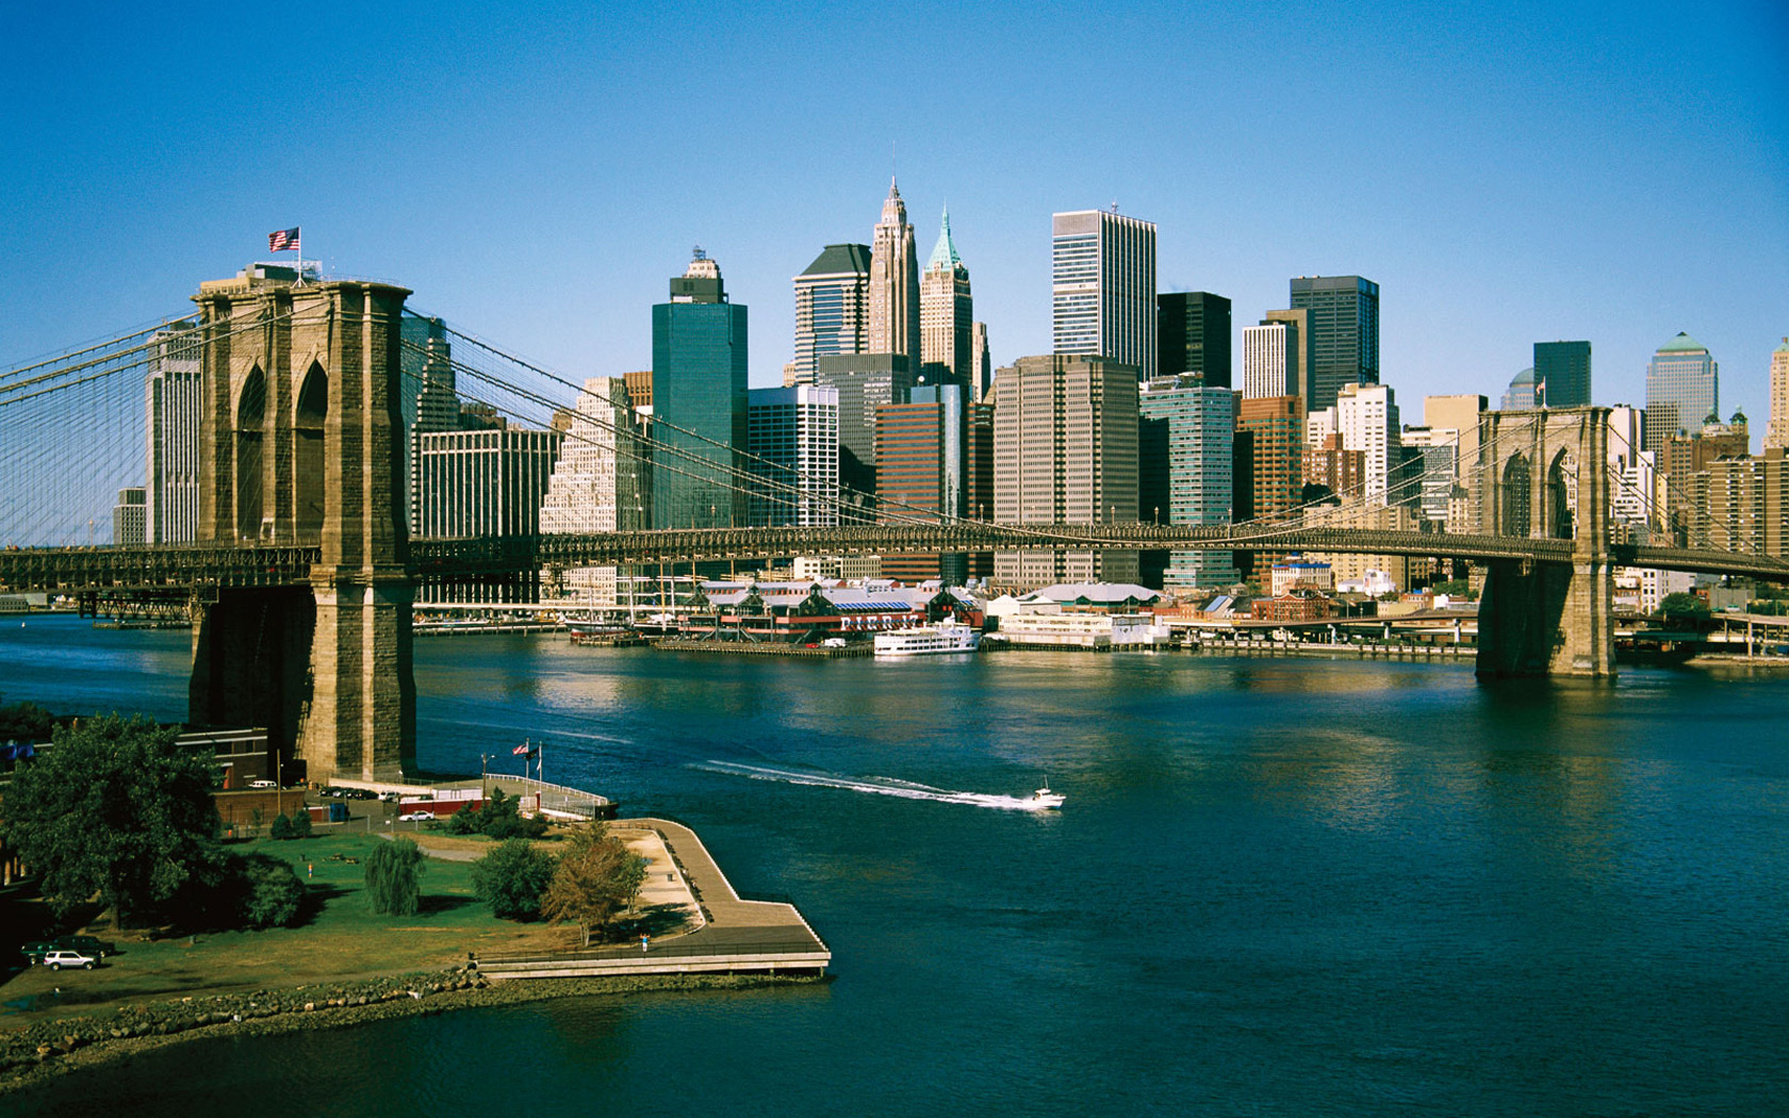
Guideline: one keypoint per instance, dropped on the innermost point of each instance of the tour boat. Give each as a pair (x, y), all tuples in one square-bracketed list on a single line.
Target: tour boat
[(930, 640), (1044, 800)]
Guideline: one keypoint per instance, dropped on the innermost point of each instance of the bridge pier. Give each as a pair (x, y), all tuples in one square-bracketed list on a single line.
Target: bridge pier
[(251, 660), (1537, 619)]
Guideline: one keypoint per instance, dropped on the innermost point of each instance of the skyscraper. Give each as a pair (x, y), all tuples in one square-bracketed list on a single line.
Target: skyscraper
[(920, 474), (832, 307), (1185, 439), (1102, 287), (894, 283), (1776, 428), (1682, 389), (1270, 435), (172, 399), (698, 402), (483, 481), (1270, 360), (981, 364), (1366, 417), (793, 435), (1193, 336), (1065, 452), (946, 313), (1562, 374), (1344, 326), (599, 484), (1521, 394)]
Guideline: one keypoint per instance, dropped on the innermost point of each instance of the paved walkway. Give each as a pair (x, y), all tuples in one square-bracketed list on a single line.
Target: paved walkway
[(727, 916)]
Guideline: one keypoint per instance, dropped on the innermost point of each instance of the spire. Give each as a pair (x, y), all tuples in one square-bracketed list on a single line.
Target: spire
[(894, 211), (944, 254)]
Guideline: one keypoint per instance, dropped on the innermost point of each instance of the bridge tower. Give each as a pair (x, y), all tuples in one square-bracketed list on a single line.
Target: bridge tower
[(1544, 475), (301, 443)]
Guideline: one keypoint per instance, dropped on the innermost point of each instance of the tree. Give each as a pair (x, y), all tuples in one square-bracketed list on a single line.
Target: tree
[(512, 878), (1683, 605), (500, 818), (272, 894), (281, 828), (595, 877), (301, 824), (116, 809), (392, 870), (25, 722)]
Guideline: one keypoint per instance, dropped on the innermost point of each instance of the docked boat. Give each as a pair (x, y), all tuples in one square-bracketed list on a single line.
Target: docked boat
[(1044, 800), (946, 637)]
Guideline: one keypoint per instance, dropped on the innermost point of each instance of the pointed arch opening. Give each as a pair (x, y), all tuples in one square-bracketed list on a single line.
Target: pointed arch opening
[(1559, 497), (1517, 517), (309, 477), (251, 422)]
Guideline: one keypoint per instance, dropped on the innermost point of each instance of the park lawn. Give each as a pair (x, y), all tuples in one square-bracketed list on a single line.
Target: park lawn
[(343, 939)]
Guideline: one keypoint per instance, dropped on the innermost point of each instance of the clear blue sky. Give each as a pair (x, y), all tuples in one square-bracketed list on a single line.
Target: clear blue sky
[(1507, 175)]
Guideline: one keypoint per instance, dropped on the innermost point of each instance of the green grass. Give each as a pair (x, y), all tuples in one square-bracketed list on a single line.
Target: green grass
[(342, 938)]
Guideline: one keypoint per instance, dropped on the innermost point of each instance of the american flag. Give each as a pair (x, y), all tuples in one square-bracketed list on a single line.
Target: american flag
[(283, 240), (523, 748)]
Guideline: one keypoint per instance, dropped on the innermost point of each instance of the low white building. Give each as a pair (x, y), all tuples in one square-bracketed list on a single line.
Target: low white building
[(1096, 631)]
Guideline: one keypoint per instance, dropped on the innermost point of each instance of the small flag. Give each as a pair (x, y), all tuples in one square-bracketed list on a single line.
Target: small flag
[(521, 749), (283, 240)]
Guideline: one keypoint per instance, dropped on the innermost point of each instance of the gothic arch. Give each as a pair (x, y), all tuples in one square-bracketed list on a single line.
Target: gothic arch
[(251, 438), (309, 476), (1517, 513), (1557, 514)]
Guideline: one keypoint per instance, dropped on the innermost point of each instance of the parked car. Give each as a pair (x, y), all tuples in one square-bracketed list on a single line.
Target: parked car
[(262, 784), (36, 951), (56, 960), (417, 816)]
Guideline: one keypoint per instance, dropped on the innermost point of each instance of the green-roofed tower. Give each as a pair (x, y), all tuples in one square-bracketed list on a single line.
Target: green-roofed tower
[(1682, 386), (832, 307), (946, 315)]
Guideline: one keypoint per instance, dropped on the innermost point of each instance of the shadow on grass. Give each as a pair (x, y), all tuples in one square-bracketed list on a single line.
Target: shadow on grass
[(654, 920), (431, 904)]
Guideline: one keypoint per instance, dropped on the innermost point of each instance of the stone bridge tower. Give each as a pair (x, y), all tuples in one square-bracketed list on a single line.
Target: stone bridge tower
[(301, 444), (1545, 475)]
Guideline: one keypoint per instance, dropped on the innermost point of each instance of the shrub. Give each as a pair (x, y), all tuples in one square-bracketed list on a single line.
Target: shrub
[(272, 895), (301, 824), (281, 828), (512, 877)]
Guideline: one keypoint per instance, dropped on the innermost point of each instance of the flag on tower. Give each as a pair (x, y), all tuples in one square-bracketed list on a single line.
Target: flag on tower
[(283, 240)]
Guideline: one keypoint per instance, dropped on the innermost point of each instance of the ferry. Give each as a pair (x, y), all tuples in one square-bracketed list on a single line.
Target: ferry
[(946, 637)]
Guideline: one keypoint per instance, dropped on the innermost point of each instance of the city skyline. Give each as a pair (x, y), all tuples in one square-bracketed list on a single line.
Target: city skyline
[(554, 237)]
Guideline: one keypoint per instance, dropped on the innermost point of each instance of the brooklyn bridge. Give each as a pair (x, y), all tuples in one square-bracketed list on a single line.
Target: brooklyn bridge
[(301, 581)]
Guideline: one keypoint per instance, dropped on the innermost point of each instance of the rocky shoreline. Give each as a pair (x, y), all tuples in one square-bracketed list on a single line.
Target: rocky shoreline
[(49, 1048)]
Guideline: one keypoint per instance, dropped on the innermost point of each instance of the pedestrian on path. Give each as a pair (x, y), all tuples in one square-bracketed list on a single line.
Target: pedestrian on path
[(644, 941)]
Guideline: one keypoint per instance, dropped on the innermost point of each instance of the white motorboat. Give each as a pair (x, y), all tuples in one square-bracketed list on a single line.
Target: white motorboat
[(946, 637), (1044, 800)]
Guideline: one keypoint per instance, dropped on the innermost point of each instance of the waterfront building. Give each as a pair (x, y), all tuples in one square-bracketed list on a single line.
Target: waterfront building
[(981, 364), (946, 313), (1344, 331), (1065, 452), (698, 402), (864, 382), (1521, 394), (793, 436), (832, 308), (894, 283), (598, 484), (1562, 374), (129, 518), (489, 481), (1090, 631), (1682, 386), (1296, 574), (920, 475), (1270, 360), (1776, 428), (171, 437), (1102, 290), (1185, 443), (1193, 336)]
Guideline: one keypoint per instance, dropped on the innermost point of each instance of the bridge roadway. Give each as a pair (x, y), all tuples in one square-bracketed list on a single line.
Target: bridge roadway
[(448, 560)]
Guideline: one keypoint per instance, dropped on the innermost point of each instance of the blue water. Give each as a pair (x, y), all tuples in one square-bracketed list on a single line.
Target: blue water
[(1277, 887)]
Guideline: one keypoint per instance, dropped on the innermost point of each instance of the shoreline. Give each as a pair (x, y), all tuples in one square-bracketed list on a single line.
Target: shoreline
[(47, 1050)]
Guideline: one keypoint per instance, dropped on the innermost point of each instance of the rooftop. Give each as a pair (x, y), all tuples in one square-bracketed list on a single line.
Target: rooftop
[(1683, 343)]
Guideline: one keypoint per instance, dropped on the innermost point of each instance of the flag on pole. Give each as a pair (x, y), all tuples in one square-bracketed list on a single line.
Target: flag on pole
[(521, 749), (283, 240)]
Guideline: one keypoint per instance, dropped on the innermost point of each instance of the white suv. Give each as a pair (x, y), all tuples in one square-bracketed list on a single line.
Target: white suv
[(56, 960)]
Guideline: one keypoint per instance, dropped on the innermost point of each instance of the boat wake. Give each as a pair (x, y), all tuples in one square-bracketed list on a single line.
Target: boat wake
[(872, 785)]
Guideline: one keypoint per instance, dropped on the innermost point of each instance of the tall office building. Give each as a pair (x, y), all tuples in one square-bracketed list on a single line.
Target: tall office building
[(1102, 287), (1344, 326), (1065, 452), (1270, 360), (171, 440), (1366, 418), (1186, 434), (698, 402), (487, 481), (1562, 374), (599, 484), (832, 308), (864, 382), (1682, 389), (129, 523), (920, 474), (1432, 456), (793, 435), (431, 401), (981, 364), (1193, 336), (1270, 438), (1301, 359), (894, 283), (1776, 428), (946, 313)]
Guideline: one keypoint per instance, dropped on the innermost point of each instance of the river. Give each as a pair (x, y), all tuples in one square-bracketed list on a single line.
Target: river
[(1278, 887)]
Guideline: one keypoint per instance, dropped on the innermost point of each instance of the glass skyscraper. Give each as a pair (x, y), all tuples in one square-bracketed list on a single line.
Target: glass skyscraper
[(1185, 443), (1344, 338), (832, 307), (1193, 336), (1682, 389), (1562, 374), (1102, 287), (698, 403)]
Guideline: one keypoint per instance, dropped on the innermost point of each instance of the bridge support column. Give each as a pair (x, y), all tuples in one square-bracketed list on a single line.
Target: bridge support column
[(251, 660), (362, 720)]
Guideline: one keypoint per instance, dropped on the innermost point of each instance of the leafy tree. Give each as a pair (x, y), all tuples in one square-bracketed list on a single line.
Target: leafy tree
[(26, 722), (281, 828), (500, 818), (512, 878), (272, 894), (115, 809), (392, 870), (301, 824), (595, 878), (1683, 605)]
